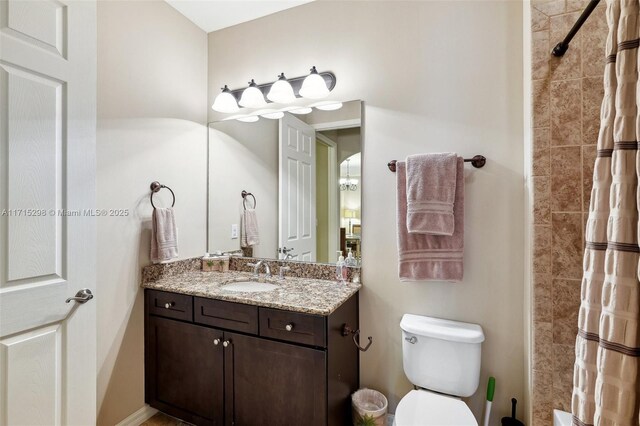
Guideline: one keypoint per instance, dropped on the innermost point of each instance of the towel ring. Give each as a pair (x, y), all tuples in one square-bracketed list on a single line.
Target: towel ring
[(245, 194), (156, 187)]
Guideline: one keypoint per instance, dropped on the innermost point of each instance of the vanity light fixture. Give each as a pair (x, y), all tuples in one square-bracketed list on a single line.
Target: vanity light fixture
[(329, 106), (225, 102), (314, 86), (252, 96), (300, 111), (281, 91), (273, 115), (249, 119)]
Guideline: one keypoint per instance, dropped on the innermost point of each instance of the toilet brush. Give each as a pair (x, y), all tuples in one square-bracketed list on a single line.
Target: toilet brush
[(491, 387), (512, 421)]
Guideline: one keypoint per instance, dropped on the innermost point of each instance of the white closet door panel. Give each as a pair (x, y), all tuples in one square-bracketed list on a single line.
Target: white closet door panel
[(41, 22)]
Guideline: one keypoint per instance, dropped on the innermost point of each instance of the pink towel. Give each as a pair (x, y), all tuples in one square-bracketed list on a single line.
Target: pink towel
[(431, 190), (164, 235), (430, 257)]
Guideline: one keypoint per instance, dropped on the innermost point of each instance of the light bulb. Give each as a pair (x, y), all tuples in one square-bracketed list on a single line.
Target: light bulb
[(252, 96), (281, 91), (301, 111), (330, 106), (225, 102), (314, 86), (249, 119), (273, 115)]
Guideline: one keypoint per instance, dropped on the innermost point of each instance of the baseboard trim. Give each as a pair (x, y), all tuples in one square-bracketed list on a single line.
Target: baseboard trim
[(140, 416)]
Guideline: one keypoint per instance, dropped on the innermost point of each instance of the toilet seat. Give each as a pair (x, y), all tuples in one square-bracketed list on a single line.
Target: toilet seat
[(424, 408)]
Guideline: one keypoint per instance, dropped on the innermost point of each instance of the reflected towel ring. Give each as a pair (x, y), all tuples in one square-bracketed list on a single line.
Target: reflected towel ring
[(245, 194), (156, 187)]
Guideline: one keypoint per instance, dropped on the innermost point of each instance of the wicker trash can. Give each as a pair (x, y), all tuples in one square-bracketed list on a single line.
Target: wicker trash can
[(369, 407)]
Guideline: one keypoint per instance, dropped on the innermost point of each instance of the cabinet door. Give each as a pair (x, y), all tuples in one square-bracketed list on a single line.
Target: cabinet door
[(272, 383), (184, 370)]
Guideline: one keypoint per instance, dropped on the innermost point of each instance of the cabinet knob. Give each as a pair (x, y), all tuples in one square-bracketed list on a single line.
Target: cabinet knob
[(288, 327), (169, 305), (226, 343), (216, 342)]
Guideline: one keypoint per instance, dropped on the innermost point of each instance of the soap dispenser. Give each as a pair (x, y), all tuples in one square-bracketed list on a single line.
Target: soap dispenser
[(350, 261), (341, 268)]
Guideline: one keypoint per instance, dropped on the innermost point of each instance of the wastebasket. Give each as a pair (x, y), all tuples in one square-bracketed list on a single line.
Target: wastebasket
[(369, 407)]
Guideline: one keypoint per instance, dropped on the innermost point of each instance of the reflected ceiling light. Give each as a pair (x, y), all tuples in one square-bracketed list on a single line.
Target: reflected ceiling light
[(301, 111), (273, 115), (249, 119), (281, 91), (314, 86), (330, 106), (225, 102), (252, 96), (348, 184)]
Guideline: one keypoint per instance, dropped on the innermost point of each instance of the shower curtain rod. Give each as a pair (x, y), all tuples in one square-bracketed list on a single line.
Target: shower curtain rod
[(562, 47)]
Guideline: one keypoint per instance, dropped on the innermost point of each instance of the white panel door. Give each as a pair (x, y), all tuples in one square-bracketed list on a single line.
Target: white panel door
[(47, 223), (297, 204)]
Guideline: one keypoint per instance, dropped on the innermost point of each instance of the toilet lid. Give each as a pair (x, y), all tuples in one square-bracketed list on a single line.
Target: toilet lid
[(424, 408)]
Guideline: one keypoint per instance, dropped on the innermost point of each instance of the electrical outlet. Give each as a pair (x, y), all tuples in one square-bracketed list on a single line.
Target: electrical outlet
[(234, 231)]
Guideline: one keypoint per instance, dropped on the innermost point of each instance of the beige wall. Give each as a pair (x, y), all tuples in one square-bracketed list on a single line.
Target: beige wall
[(151, 126), (434, 76), (566, 93)]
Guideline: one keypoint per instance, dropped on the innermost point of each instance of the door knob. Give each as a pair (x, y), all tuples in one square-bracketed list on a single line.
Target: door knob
[(82, 296), (226, 343), (216, 342)]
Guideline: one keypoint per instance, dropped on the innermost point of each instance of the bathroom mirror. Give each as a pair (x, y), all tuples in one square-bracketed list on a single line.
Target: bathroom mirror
[(301, 176)]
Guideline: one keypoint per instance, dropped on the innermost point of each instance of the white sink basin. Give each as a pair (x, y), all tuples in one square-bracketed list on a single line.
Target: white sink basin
[(249, 286)]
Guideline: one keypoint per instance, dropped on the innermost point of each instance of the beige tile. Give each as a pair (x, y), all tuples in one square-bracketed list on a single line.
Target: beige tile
[(563, 360), (594, 33), (542, 302), (541, 155), (162, 419), (566, 246), (588, 163), (540, 55), (570, 64), (566, 116), (539, 21), (592, 94), (549, 7), (542, 249), (576, 5), (566, 304), (566, 179), (541, 107), (541, 201), (542, 398), (542, 346)]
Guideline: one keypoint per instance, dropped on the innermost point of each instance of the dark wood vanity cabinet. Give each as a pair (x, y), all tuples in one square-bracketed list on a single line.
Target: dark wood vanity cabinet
[(235, 364)]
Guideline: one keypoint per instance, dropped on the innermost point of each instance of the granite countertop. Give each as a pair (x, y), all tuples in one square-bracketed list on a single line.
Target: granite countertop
[(312, 296)]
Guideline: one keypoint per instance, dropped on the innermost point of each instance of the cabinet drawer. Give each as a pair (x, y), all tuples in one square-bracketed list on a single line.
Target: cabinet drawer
[(227, 315), (170, 305), (292, 327)]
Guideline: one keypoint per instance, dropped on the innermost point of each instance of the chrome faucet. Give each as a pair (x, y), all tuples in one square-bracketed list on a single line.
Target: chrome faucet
[(256, 268)]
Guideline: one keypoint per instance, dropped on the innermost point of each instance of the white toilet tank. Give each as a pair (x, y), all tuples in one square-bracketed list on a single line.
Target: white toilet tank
[(441, 355)]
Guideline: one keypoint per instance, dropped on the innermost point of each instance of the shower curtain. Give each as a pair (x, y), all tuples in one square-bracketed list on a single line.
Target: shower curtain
[(606, 381)]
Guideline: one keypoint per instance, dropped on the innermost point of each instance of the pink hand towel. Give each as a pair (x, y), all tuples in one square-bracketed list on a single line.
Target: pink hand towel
[(431, 190), (164, 235), (430, 257)]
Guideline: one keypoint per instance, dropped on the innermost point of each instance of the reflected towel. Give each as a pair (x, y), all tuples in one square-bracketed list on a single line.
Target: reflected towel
[(431, 190), (430, 257), (164, 235), (249, 235)]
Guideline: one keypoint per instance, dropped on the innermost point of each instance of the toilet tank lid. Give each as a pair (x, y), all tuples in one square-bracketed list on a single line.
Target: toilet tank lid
[(437, 328)]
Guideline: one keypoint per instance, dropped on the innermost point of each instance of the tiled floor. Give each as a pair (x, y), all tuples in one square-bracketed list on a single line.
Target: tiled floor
[(161, 419)]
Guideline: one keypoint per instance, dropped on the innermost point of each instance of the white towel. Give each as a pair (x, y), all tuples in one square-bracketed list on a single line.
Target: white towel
[(164, 235), (249, 235)]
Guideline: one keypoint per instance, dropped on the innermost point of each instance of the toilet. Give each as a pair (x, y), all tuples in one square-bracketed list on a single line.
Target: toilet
[(442, 359)]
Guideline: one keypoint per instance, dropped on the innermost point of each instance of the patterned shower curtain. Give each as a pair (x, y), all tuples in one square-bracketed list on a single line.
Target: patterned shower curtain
[(606, 382)]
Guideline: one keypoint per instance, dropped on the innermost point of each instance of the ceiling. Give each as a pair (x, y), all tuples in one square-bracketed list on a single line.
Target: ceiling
[(213, 15)]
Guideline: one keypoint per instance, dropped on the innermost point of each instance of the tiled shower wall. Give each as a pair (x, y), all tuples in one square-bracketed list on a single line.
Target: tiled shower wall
[(567, 93)]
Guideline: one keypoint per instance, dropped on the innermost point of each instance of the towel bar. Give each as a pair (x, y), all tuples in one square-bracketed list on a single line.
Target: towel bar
[(477, 161), (156, 187)]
